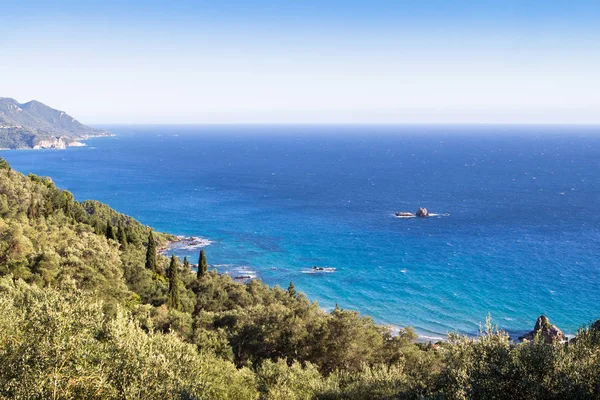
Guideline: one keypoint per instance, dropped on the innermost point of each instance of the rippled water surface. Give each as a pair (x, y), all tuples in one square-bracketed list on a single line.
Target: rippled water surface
[(522, 236)]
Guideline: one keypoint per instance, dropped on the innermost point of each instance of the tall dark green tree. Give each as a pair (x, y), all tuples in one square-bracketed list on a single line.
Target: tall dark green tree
[(69, 203), (121, 236), (292, 290), (110, 231), (186, 264), (151, 253), (98, 228), (202, 265), (31, 210), (173, 299)]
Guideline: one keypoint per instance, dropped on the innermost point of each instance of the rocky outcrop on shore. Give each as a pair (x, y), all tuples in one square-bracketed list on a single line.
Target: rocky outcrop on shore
[(549, 333), (60, 142), (184, 243)]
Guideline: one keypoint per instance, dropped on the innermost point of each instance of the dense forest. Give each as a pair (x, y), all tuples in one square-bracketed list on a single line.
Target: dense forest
[(89, 309)]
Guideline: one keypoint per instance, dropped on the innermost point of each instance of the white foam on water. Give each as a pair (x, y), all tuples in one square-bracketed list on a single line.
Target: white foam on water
[(197, 240), (431, 338), (324, 270)]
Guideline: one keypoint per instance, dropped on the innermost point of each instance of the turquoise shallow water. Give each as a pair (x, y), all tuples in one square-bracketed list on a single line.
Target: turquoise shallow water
[(522, 237)]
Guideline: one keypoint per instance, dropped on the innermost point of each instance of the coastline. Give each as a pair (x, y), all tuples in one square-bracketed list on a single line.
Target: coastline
[(61, 142), (190, 243), (187, 242), (266, 274)]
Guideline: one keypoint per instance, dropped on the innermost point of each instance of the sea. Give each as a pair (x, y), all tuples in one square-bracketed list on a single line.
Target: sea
[(514, 231)]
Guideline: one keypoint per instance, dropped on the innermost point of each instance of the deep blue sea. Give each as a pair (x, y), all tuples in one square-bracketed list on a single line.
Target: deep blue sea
[(522, 236)]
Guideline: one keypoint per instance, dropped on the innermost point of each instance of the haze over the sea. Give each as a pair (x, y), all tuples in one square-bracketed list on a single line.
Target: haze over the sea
[(316, 61)]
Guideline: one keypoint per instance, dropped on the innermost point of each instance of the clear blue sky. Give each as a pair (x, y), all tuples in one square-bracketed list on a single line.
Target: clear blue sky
[(305, 61)]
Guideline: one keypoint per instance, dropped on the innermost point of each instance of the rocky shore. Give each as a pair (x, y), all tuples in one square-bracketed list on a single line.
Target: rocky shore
[(184, 243), (58, 143), (548, 332)]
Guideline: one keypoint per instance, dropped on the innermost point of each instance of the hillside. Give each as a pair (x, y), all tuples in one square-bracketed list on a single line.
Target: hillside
[(89, 309), (35, 125)]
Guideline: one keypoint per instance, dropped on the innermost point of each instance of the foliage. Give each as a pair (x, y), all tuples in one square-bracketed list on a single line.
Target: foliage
[(60, 344), (202, 265), (173, 299), (151, 253)]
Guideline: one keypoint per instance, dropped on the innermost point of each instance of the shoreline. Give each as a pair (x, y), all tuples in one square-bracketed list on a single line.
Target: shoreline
[(423, 335), (188, 242), (61, 142), (426, 336)]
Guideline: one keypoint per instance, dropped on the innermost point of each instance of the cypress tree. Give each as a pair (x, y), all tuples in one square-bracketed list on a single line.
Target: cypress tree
[(110, 232), (121, 236), (127, 233), (186, 264), (98, 227), (31, 211), (151, 253), (69, 202), (173, 300), (292, 290), (202, 265)]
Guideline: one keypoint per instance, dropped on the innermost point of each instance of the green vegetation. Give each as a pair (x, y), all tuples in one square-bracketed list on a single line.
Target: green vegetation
[(202, 265), (17, 138), (151, 253), (87, 314), (173, 300)]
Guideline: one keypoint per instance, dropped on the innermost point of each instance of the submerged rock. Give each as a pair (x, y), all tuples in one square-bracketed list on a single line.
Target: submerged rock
[(404, 214), (549, 333), (422, 212)]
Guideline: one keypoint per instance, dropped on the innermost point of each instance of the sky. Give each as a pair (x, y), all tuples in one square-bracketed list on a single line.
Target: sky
[(341, 61)]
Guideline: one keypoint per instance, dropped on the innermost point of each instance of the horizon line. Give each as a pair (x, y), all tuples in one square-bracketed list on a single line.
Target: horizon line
[(292, 123)]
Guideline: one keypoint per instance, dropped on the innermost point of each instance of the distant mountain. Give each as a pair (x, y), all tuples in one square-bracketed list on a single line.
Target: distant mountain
[(35, 125)]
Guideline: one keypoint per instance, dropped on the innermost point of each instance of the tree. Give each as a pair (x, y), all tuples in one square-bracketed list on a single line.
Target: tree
[(202, 265), (121, 236), (186, 264), (292, 290), (173, 299), (69, 201), (151, 253), (98, 228), (110, 232), (4, 164), (31, 210)]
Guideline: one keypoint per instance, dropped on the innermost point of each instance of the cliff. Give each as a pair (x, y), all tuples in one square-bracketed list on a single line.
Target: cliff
[(34, 125)]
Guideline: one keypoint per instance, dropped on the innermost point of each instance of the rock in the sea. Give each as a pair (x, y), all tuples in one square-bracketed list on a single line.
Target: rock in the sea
[(549, 333), (422, 212), (404, 214)]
